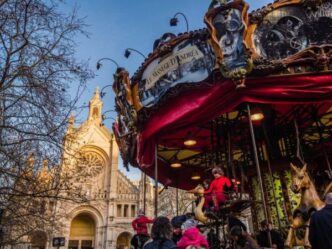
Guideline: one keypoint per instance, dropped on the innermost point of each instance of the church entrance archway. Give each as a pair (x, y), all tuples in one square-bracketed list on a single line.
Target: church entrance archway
[(82, 232), (38, 240), (123, 241)]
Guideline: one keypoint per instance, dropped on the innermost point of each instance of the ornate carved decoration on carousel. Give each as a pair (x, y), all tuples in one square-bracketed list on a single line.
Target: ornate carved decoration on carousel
[(294, 33), (125, 126), (227, 24), (309, 203)]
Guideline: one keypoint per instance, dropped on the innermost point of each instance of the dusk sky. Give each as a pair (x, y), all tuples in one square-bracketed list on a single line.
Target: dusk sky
[(115, 25)]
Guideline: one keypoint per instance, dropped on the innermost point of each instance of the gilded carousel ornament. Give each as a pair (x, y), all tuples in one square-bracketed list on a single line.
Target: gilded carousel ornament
[(125, 127), (227, 24)]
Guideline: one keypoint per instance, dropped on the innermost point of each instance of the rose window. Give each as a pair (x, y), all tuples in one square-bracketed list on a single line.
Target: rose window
[(91, 164)]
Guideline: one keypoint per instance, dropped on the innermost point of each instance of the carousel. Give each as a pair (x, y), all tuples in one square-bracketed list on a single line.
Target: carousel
[(251, 92)]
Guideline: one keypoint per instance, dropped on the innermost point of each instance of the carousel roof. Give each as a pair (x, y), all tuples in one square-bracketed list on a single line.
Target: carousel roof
[(195, 86)]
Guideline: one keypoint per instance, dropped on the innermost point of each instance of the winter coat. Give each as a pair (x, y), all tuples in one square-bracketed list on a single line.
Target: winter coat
[(160, 244), (140, 225), (192, 237), (320, 230)]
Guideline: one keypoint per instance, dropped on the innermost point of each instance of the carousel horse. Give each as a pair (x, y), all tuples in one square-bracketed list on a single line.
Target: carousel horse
[(232, 205), (199, 214), (309, 203)]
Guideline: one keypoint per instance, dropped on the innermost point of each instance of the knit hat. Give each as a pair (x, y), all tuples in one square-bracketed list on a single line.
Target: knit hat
[(177, 221), (189, 224), (140, 212)]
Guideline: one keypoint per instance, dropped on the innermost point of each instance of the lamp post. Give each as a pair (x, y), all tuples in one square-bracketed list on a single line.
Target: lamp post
[(258, 169), (102, 93), (127, 52), (99, 65), (174, 21)]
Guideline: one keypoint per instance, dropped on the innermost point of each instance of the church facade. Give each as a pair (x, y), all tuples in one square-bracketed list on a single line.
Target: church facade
[(112, 200)]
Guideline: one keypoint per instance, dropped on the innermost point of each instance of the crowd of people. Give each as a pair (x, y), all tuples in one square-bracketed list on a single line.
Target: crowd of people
[(182, 232)]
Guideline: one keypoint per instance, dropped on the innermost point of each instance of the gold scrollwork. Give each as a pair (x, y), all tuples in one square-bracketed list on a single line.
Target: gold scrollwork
[(229, 14)]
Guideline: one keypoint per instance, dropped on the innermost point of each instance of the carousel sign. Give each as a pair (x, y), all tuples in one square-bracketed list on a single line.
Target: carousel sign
[(190, 61), (171, 63)]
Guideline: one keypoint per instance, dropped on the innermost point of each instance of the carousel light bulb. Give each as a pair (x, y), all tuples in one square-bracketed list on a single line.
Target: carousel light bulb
[(176, 165), (256, 114), (195, 177), (190, 142)]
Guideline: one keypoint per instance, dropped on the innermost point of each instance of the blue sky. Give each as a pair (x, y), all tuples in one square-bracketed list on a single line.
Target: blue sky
[(115, 25)]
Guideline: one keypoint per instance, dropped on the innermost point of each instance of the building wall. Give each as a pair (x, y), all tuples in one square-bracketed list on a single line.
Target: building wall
[(113, 198)]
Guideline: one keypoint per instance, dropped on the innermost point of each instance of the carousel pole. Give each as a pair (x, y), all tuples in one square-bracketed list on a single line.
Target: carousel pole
[(229, 149), (156, 182), (177, 202), (268, 146), (144, 192), (326, 157), (259, 175)]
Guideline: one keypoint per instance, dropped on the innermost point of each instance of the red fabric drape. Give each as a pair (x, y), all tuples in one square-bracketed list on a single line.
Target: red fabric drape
[(201, 105)]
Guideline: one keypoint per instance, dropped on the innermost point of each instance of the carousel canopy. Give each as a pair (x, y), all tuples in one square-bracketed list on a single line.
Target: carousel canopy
[(188, 101)]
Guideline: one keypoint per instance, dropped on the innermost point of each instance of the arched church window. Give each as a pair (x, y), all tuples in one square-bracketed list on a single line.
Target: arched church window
[(90, 164), (95, 112)]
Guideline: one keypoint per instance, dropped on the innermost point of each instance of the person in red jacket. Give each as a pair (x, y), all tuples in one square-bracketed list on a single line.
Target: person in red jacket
[(215, 192), (140, 224), (191, 236)]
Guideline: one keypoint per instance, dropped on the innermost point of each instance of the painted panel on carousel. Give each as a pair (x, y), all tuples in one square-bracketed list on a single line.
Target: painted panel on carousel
[(290, 29), (190, 61), (228, 24)]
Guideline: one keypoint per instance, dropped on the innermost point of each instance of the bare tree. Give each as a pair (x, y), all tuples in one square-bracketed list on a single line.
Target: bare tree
[(168, 201), (38, 70)]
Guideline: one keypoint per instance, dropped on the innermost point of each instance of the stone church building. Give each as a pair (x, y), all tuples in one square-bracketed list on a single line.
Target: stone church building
[(104, 221)]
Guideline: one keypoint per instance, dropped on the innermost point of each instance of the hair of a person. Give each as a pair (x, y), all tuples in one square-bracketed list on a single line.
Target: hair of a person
[(236, 231), (234, 221), (218, 170), (328, 198), (161, 228)]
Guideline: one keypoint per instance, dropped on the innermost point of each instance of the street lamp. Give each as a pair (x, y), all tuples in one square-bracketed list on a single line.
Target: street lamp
[(103, 116), (127, 52), (102, 93), (174, 21), (99, 65)]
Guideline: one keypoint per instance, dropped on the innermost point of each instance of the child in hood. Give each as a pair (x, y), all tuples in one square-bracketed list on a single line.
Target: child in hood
[(191, 236)]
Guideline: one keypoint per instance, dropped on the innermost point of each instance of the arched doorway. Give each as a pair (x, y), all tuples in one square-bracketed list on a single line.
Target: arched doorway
[(82, 232), (38, 240), (123, 241)]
